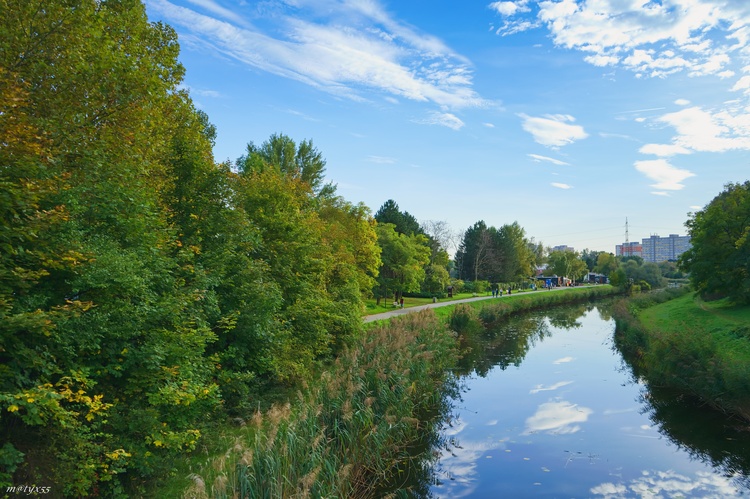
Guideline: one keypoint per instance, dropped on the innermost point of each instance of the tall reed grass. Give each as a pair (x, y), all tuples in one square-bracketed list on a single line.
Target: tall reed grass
[(352, 432)]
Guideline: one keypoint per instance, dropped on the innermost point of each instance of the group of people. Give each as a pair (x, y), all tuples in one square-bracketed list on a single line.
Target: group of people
[(496, 292)]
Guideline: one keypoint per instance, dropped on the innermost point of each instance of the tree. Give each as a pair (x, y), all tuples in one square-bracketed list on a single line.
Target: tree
[(404, 258), (566, 264), (404, 222), (606, 263), (514, 254), (303, 162), (719, 259)]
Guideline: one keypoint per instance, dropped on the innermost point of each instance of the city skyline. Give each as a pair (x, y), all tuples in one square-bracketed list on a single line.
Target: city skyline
[(565, 116)]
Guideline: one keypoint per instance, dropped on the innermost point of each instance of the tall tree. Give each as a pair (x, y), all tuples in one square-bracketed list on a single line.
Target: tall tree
[(304, 162), (719, 259), (404, 258), (404, 222)]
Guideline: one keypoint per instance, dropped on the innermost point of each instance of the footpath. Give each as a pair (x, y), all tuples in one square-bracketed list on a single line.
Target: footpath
[(403, 311)]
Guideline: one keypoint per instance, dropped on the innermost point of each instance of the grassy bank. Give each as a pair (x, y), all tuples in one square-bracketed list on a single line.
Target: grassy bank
[(350, 432), (489, 311), (701, 348)]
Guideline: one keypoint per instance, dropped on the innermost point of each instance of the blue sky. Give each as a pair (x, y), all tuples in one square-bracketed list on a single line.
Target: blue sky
[(566, 116)]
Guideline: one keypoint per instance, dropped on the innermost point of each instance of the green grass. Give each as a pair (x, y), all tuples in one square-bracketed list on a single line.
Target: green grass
[(681, 313), (702, 348), (387, 305)]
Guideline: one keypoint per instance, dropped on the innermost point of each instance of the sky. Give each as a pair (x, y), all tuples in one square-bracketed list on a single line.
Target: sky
[(566, 116)]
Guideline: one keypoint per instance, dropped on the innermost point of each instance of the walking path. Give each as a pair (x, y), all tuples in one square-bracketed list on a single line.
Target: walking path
[(403, 311)]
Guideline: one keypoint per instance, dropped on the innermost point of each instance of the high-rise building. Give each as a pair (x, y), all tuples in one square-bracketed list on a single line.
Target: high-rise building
[(661, 249), (629, 249)]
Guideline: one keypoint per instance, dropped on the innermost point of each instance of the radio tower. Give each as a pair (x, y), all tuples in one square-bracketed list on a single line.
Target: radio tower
[(627, 240)]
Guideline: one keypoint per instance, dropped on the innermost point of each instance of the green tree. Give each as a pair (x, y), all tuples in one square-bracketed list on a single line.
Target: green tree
[(404, 258), (404, 222), (606, 263), (719, 259), (566, 264), (303, 162)]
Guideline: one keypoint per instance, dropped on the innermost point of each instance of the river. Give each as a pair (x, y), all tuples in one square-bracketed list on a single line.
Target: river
[(549, 408)]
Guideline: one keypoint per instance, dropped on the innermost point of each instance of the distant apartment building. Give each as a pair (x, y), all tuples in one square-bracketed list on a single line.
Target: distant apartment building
[(563, 247), (629, 249), (660, 249)]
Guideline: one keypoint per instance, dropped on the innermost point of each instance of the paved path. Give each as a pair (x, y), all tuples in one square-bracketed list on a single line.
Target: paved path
[(403, 311)]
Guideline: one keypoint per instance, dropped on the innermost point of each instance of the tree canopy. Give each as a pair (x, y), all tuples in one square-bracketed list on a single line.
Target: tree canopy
[(719, 259)]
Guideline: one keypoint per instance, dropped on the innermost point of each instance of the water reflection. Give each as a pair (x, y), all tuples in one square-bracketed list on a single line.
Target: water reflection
[(549, 408), (557, 418), (706, 435), (670, 484)]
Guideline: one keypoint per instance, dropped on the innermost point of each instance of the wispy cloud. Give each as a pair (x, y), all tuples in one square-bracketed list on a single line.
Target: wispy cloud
[(666, 176), (538, 158), (382, 160), (443, 119), (542, 388), (352, 49), (553, 130), (561, 186), (564, 360)]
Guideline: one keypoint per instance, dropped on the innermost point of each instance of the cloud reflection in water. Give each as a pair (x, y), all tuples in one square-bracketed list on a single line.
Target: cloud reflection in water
[(557, 418), (670, 484)]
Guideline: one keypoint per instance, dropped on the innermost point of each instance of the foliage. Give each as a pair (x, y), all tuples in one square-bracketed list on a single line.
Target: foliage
[(719, 259), (566, 264), (606, 263), (403, 222), (699, 348), (404, 258), (497, 255), (350, 433), (145, 289)]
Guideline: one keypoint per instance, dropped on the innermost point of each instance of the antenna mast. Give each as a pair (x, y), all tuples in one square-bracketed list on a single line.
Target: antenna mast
[(627, 239)]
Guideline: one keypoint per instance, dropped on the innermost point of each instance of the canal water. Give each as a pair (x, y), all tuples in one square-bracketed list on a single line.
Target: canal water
[(549, 408)]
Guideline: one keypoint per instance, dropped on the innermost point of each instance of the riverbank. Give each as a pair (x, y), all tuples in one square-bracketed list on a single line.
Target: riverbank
[(346, 432), (674, 339), (516, 302)]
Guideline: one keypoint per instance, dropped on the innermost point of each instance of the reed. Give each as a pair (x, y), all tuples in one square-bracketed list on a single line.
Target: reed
[(353, 430)]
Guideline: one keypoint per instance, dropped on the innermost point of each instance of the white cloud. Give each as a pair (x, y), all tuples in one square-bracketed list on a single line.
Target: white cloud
[(671, 484), (557, 418), (701, 130), (553, 130), (489, 125), (564, 360), (444, 119), (660, 193), (649, 38), (538, 158), (561, 186), (510, 8), (682, 102), (551, 388), (663, 149), (666, 176), (350, 49)]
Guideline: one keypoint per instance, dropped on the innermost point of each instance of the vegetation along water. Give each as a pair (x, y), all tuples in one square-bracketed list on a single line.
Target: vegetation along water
[(165, 315)]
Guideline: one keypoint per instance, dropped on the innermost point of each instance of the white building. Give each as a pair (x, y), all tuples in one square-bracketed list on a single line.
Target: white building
[(660, 249)]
